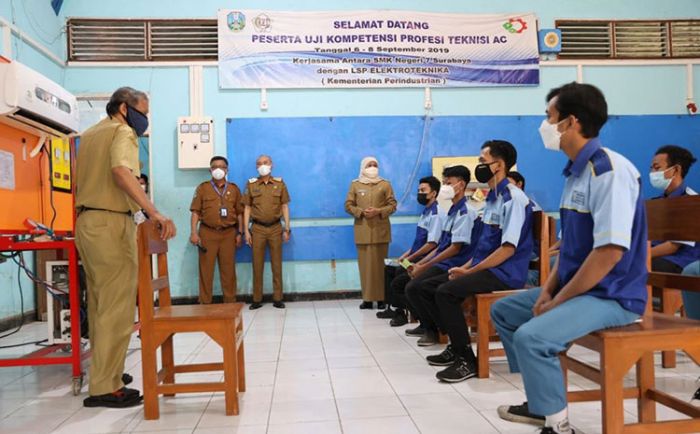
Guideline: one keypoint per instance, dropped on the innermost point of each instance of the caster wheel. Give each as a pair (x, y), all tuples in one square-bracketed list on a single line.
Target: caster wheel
[(77, 385)]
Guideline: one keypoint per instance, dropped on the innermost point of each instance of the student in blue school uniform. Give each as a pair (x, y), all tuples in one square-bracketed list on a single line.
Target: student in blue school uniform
[(460, 232), (426, 240), (599, 280), (669, 168), (500, 260), (519, 181)]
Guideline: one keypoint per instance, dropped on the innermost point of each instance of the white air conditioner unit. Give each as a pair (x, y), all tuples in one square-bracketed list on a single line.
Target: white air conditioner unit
[(29, 99)]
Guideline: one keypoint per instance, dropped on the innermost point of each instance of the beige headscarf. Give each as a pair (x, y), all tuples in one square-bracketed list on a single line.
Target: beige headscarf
[(363, 178)]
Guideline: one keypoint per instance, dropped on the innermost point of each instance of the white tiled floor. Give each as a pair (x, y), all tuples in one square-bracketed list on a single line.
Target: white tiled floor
[(316, 367)]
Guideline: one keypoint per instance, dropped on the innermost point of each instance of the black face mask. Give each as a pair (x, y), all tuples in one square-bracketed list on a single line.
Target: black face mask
[(483, 172), (423, 198)]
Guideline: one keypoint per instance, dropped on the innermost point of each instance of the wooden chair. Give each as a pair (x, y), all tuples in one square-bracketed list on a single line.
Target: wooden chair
[(222, 322), (620, 348), (478, 308)]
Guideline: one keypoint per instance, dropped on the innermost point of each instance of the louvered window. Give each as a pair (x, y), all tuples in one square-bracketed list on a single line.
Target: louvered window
[(141, 40), (646, 39)]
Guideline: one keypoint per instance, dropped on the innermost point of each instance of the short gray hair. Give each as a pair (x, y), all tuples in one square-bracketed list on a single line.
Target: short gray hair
[(127, 95)]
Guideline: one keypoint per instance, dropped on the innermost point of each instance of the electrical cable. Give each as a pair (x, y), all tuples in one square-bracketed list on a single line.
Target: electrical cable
[(21, 307), (412, 178), (53, 207)]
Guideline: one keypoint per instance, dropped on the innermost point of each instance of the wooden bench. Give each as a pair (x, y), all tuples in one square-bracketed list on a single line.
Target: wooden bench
[(621, 348), (223, 323)]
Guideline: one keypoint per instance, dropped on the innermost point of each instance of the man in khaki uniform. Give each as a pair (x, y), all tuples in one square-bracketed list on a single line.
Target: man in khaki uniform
[(217, 207), (266, 200), (107, 194)]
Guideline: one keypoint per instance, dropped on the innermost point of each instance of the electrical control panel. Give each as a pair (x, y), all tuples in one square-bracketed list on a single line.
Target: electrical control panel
[(195, 137), (60, 164)]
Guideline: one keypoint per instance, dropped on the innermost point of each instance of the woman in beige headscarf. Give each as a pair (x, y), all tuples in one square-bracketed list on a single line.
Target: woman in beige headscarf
[(371, 201)]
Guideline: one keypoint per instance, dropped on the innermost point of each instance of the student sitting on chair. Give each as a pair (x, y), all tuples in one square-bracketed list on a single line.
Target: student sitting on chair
[(668, 171), (533, 276), (459, 234), (599, 280), (500, 261), (428, 234)]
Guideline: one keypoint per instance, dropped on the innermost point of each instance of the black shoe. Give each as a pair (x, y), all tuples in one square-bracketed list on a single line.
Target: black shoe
[(132, 393), (386, 313), (118, 399), (127, 379), (520, 414), (550, 430), (445, 358), (459, 370), (255, 305), (399, 319), (429, 338), (278, 304), (697, 394), (417, 332), (366, 305), (381, 305)]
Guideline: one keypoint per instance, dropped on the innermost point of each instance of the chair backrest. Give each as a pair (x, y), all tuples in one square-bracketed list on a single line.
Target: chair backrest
[(669, 220), (541, 233), (149, 244)]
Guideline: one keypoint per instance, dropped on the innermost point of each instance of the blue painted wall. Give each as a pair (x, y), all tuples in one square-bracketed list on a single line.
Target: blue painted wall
[(641, 90)]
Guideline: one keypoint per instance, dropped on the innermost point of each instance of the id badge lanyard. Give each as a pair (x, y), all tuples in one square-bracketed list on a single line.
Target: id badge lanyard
[(223, 212)]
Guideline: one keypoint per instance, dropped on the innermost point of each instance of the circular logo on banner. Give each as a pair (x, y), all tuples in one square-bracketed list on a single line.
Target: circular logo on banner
[(236, 21), (551, 39), (262, 23)]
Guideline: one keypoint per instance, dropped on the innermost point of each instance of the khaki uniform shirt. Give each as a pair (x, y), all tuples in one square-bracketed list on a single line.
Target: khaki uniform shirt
[(362, 196), (104, 146), (208, 204), (266, 199)]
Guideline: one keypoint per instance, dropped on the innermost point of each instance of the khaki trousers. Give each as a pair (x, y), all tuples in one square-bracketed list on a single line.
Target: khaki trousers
[(221, 246), (262, 238), (107, 245)]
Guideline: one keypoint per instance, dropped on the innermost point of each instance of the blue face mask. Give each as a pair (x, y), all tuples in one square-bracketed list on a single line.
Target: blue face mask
[(136, 120)]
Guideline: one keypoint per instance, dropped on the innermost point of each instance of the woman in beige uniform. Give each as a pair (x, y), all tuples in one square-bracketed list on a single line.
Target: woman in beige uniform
[(371, 201)]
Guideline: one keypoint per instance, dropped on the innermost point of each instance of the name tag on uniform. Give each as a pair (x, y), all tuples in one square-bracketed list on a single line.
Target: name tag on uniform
[(362, 192), (578, 198), (223, 212)]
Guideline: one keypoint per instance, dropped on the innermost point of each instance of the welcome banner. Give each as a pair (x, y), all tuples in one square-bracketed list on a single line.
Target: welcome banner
[(270, 49)]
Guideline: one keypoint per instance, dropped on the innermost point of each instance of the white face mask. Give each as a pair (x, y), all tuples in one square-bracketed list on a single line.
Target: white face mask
[(658, 179), (371, 172), (551, 137), (143, 187), (218, 174), (264, 170), (447, 192)]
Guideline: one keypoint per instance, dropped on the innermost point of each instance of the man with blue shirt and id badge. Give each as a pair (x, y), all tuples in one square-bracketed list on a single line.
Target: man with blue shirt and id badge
[(217, 216), (599, 279)]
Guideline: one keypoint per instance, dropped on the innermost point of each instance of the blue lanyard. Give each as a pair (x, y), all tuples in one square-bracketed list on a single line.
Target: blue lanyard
[(216, 189)]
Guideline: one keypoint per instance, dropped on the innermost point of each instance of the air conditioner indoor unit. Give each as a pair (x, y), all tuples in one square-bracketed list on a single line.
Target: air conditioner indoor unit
[(30, 100)]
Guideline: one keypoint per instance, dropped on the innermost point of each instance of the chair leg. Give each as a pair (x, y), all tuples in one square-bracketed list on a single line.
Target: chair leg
[(241, 367), (646, 407), (168, 358), (230, 371), (149, 366), (612, 394), (671, 302), (482, 346)]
